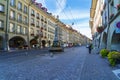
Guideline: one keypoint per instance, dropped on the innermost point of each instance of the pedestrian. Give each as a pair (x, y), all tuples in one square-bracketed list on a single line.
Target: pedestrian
[(90, 48)]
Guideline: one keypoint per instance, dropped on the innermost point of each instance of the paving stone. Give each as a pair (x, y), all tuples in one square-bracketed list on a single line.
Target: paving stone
[(73, 64)]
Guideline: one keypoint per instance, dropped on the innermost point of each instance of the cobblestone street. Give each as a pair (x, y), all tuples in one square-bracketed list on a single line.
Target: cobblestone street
[(73, 64)]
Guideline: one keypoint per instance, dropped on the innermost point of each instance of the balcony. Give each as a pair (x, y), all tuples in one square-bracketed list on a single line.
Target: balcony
[(12, 18), (24, 22), (38, 17), (42, 20), (13, 5), (20, 9), (33, 15), (46, 22), (32, 34), (32, 24), (37, 26), (19, 20), (25, 12)]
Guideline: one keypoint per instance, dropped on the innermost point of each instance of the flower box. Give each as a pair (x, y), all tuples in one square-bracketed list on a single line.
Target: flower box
[(100, 29), (118, 7)]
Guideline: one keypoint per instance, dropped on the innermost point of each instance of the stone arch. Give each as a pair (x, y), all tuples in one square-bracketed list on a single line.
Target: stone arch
[(43, 43), (115, 41), (17, 42), (1, 43), (33, 43)]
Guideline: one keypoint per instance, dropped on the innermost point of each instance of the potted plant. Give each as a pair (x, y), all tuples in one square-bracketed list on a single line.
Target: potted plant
[(104, 53), (113, 57)]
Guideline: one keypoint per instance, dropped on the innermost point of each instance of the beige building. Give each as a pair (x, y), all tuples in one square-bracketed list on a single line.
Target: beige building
[(108, 37), (3, 14), (96, 20), (24, 23)]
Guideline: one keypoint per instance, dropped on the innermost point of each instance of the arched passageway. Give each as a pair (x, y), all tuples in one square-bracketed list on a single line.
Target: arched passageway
[(33, 43), (1, 43), (17, 42), (115, 41)]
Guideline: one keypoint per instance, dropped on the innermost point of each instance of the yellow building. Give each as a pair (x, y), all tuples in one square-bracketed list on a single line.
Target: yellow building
[(27, 24), (96, 20)]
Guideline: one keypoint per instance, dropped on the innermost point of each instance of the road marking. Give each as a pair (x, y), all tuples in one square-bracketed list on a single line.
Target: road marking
[(117, 73)]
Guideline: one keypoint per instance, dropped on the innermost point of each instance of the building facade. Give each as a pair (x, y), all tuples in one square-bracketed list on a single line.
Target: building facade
[(26, 23), (109, 34)]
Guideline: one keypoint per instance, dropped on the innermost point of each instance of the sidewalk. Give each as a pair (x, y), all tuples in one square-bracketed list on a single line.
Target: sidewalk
[(97, 68)]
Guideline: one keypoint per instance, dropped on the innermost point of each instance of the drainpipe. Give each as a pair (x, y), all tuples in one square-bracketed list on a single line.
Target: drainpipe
[(6, 29)]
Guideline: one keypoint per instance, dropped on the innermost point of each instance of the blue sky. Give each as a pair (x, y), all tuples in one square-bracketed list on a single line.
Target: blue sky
[(71, 11)]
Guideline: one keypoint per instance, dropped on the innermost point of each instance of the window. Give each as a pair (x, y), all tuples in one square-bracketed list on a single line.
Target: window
[(19, 17), (18, 29), (12, 14), (37, 23), (19, 6), (1, 8), (32, 31), (12, 2), (32, 12), (37, 32), (37, 15), (32, 20), (1, 24), (24, 30), (25, 9), (25, 19), (12, 27)]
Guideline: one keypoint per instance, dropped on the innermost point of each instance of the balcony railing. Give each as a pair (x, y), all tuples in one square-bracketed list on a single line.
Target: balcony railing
[(33, 15), (13, 5), (32, 34), (32, 24), (19, 20), (12, 18), (38, 17)]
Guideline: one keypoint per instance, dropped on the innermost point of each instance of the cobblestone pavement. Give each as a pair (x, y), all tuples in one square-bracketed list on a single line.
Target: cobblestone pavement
[(73, 64)]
